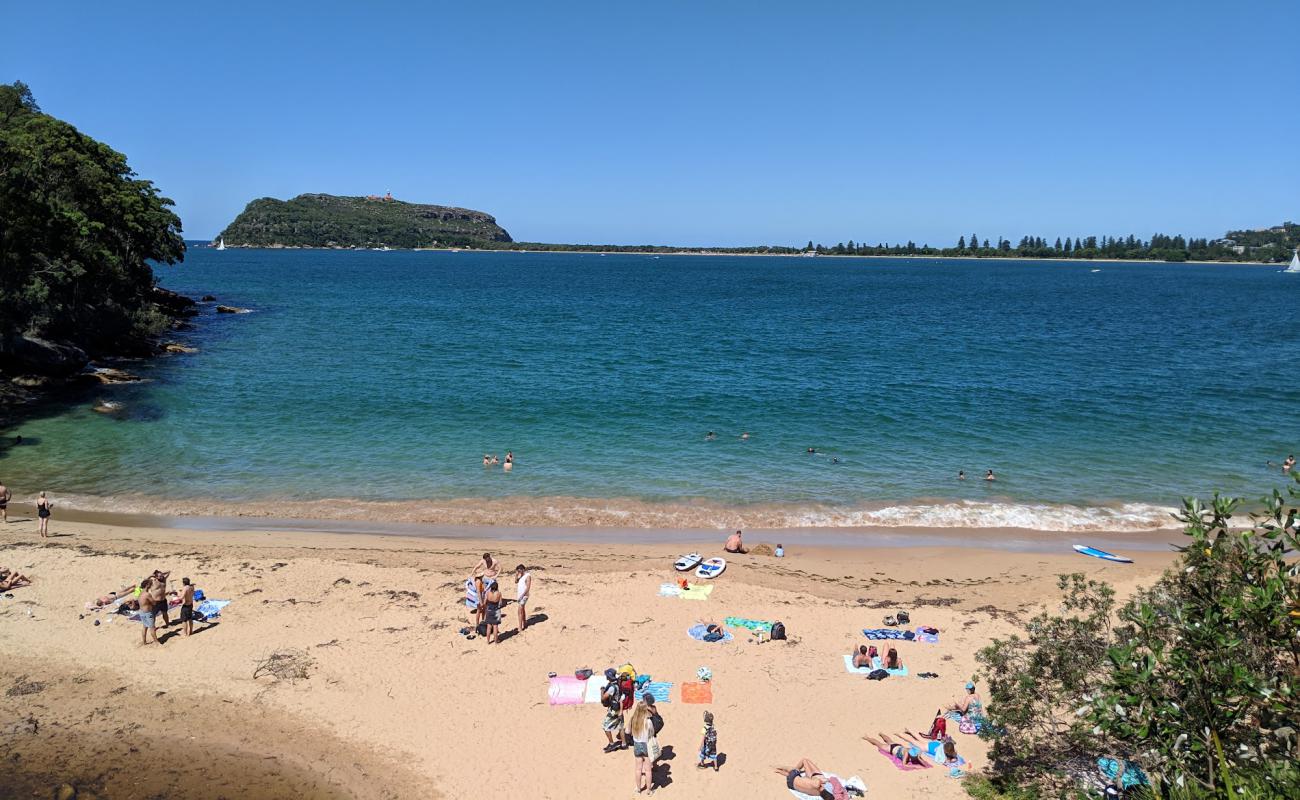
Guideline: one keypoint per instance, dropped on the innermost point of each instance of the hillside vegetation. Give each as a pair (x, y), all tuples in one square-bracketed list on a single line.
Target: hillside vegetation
[(323, 220)]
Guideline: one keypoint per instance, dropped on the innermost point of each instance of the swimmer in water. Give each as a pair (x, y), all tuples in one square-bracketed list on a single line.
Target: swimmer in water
[(1288, 464), (510, 461), (989, 476), (495, 460), (710, 436), (961, 474), (745, 435), (812, 449), (487, 460)]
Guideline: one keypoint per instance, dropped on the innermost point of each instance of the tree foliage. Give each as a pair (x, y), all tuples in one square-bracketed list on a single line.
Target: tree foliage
[(78, 229), (1196, 679)]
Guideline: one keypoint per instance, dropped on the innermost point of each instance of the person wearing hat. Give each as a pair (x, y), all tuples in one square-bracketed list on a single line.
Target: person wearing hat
[(970, 704), (610, 698), (709, 744)]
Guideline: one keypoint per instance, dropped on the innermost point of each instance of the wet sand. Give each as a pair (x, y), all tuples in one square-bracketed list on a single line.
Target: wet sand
[(396, 703)]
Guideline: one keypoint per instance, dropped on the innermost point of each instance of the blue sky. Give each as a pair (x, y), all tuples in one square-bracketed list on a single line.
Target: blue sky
[(712, 122)]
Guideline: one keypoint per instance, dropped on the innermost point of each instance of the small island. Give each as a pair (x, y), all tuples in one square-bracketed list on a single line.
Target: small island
[(324, 220)]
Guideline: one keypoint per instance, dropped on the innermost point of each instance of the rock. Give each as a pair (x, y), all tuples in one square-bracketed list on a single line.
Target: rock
[(231, 310), (107, 407), (177, 347), (30, 355), (177, 305), (31, 381), (65, 792), (109, 375), (207, 298)]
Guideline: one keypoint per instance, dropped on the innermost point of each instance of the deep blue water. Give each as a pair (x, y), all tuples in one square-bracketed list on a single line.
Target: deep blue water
[(387, 376)]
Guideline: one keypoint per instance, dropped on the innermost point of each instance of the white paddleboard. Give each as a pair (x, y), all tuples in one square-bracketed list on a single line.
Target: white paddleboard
[(711, 568), (1102, 554), (688, 562)]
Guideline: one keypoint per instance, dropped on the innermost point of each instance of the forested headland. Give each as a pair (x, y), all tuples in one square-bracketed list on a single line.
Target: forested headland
[(78, 230)]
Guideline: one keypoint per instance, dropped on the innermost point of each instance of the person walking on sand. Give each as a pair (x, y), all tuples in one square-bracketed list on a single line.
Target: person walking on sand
[(158, 593), (187, 606), (709, 743), (5, 497), (43, 506), (146, 613), (492, 615), (523, 590), (612, 699)]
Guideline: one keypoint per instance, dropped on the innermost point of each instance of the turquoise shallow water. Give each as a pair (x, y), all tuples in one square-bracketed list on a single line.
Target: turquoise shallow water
[(385, 377)]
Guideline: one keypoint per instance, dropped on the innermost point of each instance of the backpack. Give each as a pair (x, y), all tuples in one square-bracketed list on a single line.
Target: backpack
[(938, 729), (904, 618), (627, 688), (778, 631), (877, 675), (609, 696)]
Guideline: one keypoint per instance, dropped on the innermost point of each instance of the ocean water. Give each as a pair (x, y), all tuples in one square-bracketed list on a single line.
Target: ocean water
[(369, 384)]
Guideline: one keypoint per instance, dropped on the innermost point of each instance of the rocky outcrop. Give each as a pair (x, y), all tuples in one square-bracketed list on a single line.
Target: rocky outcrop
[(29, 355), (231, 310), (173, 304)]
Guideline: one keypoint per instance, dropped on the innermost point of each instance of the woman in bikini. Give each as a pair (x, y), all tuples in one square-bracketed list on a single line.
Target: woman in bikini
[(892, 661), (901, 752), (806, 778)]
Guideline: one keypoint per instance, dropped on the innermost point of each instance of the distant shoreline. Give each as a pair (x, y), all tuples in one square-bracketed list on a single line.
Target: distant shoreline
[(746, 255)]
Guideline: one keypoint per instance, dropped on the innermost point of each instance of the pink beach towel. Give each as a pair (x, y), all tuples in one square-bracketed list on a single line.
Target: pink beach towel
[(898, 762), (566, 690)]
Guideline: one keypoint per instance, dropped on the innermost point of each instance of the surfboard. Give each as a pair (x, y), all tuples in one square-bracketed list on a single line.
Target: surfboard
[(711, 568), (1102, 554), (688, 562)]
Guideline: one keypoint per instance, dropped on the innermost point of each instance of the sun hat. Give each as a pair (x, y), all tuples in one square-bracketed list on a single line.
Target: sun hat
[(610, 674), (970, 685)]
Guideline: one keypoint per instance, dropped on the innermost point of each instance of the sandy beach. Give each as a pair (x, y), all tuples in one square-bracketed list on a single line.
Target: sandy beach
[(397, 703)]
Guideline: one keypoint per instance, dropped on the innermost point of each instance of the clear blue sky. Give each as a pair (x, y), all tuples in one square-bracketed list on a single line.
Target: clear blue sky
[(700, 122)]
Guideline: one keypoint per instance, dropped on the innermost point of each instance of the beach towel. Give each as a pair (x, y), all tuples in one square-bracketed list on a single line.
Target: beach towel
[(888, 633), (566, 690), (471, 594), (879, 663), (699, 693), (898, 762), (211, 608), (1133, 774), (594, 687), (803, 796), (669, 590), (758, 626), (697, 592), (697, 632), (928, 638), (935, 751), (659, 690)]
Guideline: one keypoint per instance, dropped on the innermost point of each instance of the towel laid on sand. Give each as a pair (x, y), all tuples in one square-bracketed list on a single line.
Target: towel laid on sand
[(659, 690), (211, 608), (928, 638), (898, 762), (669, 590), (888, 633), (697, 591), (699, 693), (697, 632), (755, 625), (566, 690), (594, 687), (803, 796), (878, 663), (848, 666), (935, 751)]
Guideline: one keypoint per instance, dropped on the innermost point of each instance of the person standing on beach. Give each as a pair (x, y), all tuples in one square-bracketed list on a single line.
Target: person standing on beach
[(158, 594), (612, 700), (146, 613), (492, 613), (5, 497), (187, 606), (43, 506), (523, 590), (487, 567), (642, 730)]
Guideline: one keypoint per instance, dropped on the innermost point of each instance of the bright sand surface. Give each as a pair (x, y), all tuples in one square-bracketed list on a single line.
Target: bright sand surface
[(398, 704)]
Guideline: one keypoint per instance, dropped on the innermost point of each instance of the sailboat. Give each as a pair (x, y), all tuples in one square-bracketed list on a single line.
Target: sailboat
[(221, 243), (1295, 262)]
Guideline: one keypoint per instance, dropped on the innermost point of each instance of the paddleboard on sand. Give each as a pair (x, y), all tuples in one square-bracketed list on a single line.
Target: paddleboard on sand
[(688, 562), (711, 568), (1102, 554)]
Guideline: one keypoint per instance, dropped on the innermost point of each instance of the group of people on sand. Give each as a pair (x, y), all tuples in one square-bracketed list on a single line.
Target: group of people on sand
[(483, 596), (491, 460), (640, 728), (43, 510), (150, 600)]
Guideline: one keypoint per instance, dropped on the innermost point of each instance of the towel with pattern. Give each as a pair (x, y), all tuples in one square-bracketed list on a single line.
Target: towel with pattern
[(888, 633), (566, 690), (659, 690), (758, 626), (697, 632), (898, 762), (928, 638)]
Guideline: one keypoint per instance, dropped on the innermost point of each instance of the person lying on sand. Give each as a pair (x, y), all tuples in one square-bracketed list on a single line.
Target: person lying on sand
[(942, 751), (734, 545), (892, 661), (12, 579), (805, 777), (904, 752), (863, 657)]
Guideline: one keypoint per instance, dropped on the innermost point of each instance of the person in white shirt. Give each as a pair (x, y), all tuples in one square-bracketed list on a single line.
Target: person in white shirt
[(523, 588)]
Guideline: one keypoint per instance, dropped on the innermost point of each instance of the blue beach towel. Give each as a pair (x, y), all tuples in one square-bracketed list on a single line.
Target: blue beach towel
[(888, 633), (928, 638), (211, 608), (659, 690), (878, 663), (697, 632)]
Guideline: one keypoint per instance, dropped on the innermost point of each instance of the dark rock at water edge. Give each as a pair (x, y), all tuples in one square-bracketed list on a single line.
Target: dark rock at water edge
[(29, 355)]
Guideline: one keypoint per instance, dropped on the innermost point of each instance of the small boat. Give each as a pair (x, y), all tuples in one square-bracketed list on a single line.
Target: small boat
[(221, 243), (1095, 270), (1294, 267)]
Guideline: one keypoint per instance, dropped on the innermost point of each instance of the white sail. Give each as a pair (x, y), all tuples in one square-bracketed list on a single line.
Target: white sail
[(221, 244), (1295, 262)]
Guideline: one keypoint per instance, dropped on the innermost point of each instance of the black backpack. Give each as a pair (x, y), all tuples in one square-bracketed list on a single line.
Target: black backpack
[(877, 675), (778, 630)]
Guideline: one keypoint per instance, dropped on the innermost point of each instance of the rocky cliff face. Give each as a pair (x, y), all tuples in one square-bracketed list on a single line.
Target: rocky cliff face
[(323, 220)]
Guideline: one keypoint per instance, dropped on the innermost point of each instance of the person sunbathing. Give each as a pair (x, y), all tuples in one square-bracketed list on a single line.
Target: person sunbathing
[(943, 751), (806, 778), (892, 661), (863, 657), (903, 752), (12, 579)]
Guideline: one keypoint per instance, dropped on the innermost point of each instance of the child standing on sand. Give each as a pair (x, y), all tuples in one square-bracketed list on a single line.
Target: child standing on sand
[(709, 744)]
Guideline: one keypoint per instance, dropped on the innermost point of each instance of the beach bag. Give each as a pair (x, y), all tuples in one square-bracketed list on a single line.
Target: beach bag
[(655, 751), (627, 688), (968, 726), (778, 631), (582, 674), (904, 618), (938, 728), (877, 675)]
